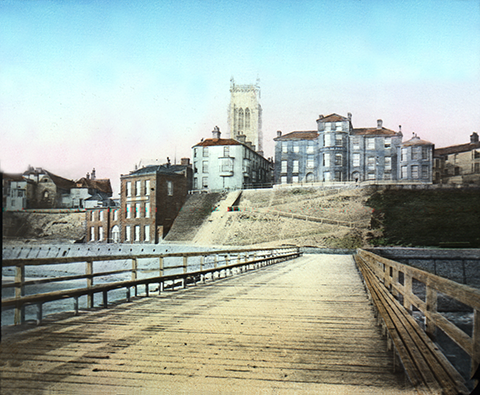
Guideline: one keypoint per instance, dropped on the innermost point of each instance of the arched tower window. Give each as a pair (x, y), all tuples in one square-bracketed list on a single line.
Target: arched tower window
[(240, 119), (247, 119)]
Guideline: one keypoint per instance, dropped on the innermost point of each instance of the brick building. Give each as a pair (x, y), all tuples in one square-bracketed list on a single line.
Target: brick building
[(150, 200), (103, 224)]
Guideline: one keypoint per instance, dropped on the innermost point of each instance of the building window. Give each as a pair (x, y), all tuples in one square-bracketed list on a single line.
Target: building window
[(284, 166), (204, 182), (415, 172), (147, 232), (404, 172), (195, 183), (129, 189), (356, 143), (129, 210), (100, 233), (339, 126), (295, 166), (137, 210), (147, 210), (404, 155), (327, 176), (147, 187), (425, 153), (416, 153), (356, 160), (205, 166), (170, 188), (92, 233), (310, 147), (115, 215), (388, 163), (101, 215), (371, 163), (425, 172), (326, 160), (137, 232), (328, 139), (283, 179), (226, 151), (387, 176), (127, 233), (310, 177), (240, 119), (476, 167), (338, 176), (388, 142), (138, 188), (295, 179), (338, 140), (338, 159), (371, 143), (247, 119), (371, 176), (92, 217), (284, 147), (205, 151), (310, 161), (194, 152)]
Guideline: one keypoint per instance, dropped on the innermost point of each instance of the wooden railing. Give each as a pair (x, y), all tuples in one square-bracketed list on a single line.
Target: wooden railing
[(187, 267), (390, 286)]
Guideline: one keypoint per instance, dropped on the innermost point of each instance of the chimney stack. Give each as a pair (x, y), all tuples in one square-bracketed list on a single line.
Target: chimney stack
[(474, 138), (216, 132), (242, 138), (93, 174), (185, 161), (379, 123), (279, 133), (349, 115)]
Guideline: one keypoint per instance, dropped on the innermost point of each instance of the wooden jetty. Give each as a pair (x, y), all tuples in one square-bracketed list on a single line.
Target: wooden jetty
[(300, 326)]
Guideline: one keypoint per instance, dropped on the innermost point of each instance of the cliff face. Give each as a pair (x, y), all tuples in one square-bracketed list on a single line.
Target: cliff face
[(43, 227)]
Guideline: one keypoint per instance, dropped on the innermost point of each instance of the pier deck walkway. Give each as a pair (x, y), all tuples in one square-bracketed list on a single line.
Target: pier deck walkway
[(300, 326)]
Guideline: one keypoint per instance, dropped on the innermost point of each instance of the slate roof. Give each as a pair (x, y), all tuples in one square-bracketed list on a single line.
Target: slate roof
[(373, 132), (13, 177), (162, 169), (456, 149), (300, 135), (416, 141)]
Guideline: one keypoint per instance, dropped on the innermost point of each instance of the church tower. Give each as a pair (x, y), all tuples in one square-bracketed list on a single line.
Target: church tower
[(245, 114)]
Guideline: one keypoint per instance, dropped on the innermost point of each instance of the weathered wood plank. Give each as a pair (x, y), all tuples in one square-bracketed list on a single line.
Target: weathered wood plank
[(304, 325)]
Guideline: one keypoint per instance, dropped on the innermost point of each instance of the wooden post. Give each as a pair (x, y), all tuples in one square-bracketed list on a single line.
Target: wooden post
[(202, 258), (475, 342), (395, 281), (162, 266), (147, 290), (89, 270), (39, 312), (128, 294), (408, 291), (215, 261), (75, 304), (431, 304), (105, 299), (185, 265), (134, 273), (19, 315)]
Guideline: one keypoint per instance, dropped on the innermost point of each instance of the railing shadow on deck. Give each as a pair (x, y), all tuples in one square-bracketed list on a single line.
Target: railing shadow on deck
[(390, 286), (185, 268)]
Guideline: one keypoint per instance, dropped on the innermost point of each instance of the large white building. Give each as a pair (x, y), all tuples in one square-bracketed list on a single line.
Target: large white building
[(228, 164), (245, 114)]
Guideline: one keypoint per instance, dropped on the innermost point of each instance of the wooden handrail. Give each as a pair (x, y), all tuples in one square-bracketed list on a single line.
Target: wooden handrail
[(243, 258), (387, 274)]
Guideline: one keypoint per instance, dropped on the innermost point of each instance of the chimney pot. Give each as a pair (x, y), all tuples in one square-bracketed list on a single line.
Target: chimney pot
[(379, 123), (279, 133), (216, 132)]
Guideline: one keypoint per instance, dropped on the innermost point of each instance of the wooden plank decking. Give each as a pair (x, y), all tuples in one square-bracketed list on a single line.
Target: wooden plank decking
[(301, 326)]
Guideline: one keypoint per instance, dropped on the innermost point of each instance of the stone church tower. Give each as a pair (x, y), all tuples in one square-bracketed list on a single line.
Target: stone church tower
[(245, 114)]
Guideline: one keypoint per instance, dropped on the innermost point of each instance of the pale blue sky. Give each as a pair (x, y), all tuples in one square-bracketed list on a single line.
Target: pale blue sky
[(104, 84)]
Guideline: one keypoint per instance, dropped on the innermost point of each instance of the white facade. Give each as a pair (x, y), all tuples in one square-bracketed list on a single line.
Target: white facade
[(17, 198), (227, 164)]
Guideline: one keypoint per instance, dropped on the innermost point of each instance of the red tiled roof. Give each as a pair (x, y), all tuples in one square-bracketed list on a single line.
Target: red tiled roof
[(373, 132), (213, 142), (455, 149), (60, 181), (101, 185), (300, 135), (333, 118)]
